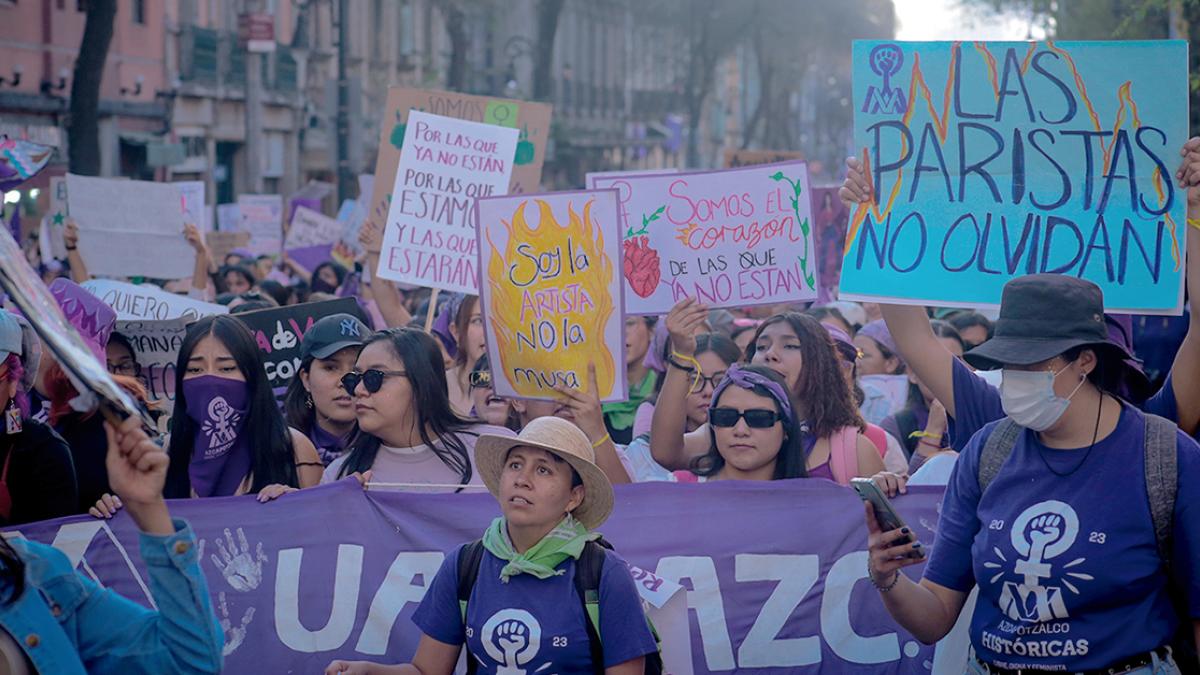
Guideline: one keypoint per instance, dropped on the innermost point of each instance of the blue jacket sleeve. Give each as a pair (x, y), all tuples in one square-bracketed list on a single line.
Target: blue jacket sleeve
[(116, 635)]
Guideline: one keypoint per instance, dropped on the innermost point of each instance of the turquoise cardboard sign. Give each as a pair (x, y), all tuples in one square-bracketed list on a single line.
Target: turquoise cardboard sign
[(991, 160)]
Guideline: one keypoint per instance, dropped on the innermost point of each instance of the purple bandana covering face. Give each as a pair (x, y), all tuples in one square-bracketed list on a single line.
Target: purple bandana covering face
[(221, 453), (747, 379)]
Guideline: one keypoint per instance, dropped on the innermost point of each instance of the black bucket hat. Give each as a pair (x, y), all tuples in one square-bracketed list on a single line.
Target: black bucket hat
[(1044, 315)]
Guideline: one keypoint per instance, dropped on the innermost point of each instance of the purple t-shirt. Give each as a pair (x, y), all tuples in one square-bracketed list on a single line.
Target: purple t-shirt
[(1062, 548), (530, 624), (977, 403)]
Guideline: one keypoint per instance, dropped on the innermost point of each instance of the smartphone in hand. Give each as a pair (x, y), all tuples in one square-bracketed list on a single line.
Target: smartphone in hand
[(885, 513)]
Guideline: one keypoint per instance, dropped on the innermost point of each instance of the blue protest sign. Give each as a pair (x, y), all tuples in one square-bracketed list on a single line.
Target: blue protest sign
[(998, 159)]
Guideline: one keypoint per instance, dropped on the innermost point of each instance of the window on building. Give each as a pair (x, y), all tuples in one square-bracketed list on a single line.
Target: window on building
[(404, 31), (377, 30), (139, 12)]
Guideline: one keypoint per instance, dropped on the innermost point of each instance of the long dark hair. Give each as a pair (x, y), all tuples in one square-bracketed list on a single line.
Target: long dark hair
[(426, 375), (822, 386), (462, 323), (272, 455), (297, 410), (789, 463), (717, 343)]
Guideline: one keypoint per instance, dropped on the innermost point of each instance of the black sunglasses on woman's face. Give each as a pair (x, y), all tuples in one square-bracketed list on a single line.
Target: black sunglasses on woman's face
[(757, 418), (371, 380)]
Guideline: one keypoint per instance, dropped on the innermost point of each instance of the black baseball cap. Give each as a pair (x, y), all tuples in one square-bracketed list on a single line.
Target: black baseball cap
[(332, 334)]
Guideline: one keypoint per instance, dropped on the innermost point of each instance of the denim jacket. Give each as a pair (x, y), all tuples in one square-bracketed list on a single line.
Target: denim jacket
[(68, 625)]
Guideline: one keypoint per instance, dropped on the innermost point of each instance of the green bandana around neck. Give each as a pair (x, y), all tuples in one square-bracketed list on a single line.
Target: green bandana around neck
[(622, 414), (566, 540)]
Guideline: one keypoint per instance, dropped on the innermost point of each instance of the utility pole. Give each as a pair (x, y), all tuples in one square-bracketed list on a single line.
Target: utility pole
[(255, 148), (345, 178)]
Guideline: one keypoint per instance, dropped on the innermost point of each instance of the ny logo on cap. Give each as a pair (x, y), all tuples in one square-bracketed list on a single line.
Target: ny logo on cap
[(350, 328)]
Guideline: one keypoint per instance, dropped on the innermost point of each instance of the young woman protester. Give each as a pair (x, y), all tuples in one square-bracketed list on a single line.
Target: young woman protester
[(53, 391), (619, 417), (316, 402), (407, 432), (972, 403), (715, 354), (888, 447), (228, 436), (36, 471), (462, 319), (798, 349), (1059, 513), (54, 619), (486, 406), (526, 569)]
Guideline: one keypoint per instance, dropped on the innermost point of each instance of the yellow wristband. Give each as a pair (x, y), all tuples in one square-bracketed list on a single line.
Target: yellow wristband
[(605, 437), (695, 364), (1194, 222), (924, 434)]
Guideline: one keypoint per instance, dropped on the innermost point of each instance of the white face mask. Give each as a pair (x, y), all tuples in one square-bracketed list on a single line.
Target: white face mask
[(1028, 398)]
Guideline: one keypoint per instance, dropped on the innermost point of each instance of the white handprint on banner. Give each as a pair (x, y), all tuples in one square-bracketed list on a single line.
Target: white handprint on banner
[(234, 637), (242, 569)]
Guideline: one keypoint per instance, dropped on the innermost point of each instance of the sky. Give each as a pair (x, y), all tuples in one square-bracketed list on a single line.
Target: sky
[(947, 20)]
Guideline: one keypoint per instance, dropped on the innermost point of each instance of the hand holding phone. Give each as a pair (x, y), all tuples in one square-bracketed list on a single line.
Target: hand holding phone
[(885, 513)]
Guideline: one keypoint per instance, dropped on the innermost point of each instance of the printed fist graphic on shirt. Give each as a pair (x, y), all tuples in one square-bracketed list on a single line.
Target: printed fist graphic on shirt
[(1044, 531), (512, 636)]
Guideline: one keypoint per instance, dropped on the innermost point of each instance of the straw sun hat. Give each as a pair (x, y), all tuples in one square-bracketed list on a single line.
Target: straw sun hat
[(567, 442)]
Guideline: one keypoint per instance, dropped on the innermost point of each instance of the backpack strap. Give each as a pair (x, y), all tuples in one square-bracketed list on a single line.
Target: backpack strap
[(996, 450), (843, 454), (1162, 475), (469, 559), (587, 584)]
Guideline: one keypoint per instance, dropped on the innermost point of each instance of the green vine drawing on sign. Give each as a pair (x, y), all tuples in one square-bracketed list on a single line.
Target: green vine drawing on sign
[(804, 226)]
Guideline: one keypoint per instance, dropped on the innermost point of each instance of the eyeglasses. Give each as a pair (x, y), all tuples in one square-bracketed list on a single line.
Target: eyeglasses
[(700, 380), (480, 379), (756, 418), (127, 368), (371, 380)]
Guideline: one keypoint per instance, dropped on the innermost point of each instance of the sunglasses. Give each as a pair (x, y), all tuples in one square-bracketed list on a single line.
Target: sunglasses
[(480, 379), (756, 418), (371, 380)]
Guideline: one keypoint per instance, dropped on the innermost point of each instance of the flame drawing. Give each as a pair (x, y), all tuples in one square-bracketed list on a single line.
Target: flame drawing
[(550, 328), (919, 89)]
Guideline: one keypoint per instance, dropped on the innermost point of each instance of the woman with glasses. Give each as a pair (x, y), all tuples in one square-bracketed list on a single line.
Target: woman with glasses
[(486, 406), (408, 435), (800, 350), (714, 354), (754, 431)]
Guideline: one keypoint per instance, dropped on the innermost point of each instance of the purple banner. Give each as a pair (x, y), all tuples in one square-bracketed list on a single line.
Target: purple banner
[(775, 573)]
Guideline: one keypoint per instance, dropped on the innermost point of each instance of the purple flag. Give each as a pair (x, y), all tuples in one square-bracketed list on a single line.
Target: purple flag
[(775, 572)]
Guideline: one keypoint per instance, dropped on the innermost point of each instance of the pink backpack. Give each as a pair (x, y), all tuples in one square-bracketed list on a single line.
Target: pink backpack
[(843, 454)]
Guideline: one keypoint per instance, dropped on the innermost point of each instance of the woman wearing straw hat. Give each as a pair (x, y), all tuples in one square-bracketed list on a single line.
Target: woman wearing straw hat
[(1070, 515), (524, 612)]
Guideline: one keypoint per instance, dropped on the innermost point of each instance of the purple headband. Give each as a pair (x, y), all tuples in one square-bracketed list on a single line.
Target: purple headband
[(441, 326), (878, 331), (747, 379), (843, 343)]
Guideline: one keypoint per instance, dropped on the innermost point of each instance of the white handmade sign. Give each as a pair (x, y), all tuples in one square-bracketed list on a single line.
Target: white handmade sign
[(262, 217), (139, 302), (129, 227), (431, 235)]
